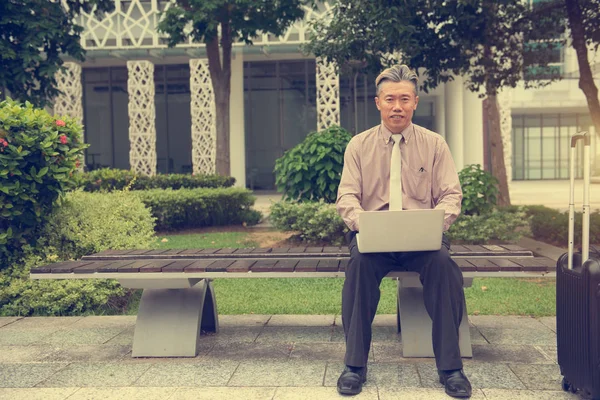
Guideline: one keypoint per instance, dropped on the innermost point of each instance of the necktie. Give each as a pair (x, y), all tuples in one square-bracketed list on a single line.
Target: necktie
[(396, 175)]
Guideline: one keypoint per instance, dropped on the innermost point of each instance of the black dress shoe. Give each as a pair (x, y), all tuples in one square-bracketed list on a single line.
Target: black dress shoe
[(351, 380), (456, 383)]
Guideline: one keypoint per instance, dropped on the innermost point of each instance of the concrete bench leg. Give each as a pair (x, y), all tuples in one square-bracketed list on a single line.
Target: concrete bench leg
[(170, 319), (415, 323)]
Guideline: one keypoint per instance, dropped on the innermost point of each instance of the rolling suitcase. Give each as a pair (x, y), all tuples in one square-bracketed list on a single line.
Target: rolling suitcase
[(578, 297)]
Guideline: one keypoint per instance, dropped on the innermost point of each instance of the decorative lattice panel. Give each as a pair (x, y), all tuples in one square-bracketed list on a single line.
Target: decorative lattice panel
[(69, 102), (204, 131), (328, 95), (504, 106), (132, 24), (142, 128)]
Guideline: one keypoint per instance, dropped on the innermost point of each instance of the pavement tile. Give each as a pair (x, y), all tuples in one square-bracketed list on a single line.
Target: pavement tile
[(301, 320), (499, 394), (549, 351), (420, 394), (27, 375), (220, 393), (540, 377), (501, 353), (88, 353), (295, 334), (24, 354), (321, 393), (216, 373), (319, 351), (47, 324), (22, 338), (96, 375), (506, 322), (279, 373), (126, 393), (476, 336), (544, 337), (36, 393), (81, 336), (113, 321), (243, 320), (481, 376), (379, 334), (250, 351), (550, 322), (232, 334), (388, 352), (8, 320), (380, 375)]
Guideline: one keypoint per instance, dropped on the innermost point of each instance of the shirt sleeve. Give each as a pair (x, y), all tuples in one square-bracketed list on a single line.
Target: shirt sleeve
[(348, 203), (446, 190)]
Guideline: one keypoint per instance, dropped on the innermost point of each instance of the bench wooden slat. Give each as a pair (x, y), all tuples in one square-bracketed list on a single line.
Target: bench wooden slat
[(280, 250), (535, 264), (483, 264), (102, 266), (219, 266), (476, 248), (135, 266), (297, 250), (465, 265), (241, 266), (226, 251), (198, 265), (328, 265), (513, 247), (177, 266), (506, 265), (155, 266), (172, 252), (314, 250), (457, 248), (264, 265), (209, 251), (139, 252), (331, 249), (243, 251), (261, 250), (307, 266), (285, 265), (191, 251), (493, 247)]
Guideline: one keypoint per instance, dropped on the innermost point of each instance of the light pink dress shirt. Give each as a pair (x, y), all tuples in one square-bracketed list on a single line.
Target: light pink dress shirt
[(429, 177)]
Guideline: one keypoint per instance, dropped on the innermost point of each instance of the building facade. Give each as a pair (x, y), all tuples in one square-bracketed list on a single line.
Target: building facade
[(150, 108)]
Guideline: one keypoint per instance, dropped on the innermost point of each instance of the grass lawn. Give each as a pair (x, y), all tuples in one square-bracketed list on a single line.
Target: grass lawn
[(498, 296)]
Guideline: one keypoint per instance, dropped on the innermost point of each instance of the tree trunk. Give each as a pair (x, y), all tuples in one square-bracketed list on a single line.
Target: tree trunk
[(497, 149), (220, 75), (586, 79)]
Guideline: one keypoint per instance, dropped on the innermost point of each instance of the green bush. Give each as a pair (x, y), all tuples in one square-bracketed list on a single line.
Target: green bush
[(195, 208), (109, 179), (91, 222), (38, 154), (314, 221), (552, 226), (311, 171), (84, 223), (480, 190), (500, 225)]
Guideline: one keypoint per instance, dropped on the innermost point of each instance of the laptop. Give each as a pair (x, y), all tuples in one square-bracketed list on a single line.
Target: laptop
[(406, 230)]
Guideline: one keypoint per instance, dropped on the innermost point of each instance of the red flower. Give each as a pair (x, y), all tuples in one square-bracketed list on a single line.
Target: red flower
[(63, 138), (3, 143), (77, 164), (60, 122)]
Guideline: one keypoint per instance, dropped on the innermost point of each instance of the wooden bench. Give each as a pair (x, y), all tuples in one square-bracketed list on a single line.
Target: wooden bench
[(178, 300)]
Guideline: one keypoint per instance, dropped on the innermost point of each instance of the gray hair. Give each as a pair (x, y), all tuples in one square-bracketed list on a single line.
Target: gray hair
[(397, 73)]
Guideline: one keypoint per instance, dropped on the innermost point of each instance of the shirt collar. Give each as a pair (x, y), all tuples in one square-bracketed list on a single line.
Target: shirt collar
[(406, 133)]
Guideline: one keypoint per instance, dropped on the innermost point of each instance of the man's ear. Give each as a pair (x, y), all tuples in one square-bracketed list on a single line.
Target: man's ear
[(416, 101), (377, 103)]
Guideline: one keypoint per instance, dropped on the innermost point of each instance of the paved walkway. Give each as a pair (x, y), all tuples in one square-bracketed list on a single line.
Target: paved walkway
[(264, 357)]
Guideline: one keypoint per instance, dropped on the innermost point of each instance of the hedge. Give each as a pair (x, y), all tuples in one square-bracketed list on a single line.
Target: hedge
[(196, 208), (109, 179)]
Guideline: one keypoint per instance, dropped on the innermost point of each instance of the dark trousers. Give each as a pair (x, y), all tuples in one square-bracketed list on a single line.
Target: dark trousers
[(442, 292)]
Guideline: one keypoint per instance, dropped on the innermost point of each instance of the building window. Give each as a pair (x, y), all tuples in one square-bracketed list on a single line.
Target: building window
[(541, 144)]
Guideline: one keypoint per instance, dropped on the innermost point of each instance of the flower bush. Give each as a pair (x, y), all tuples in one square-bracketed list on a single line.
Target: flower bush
[(38, 155)]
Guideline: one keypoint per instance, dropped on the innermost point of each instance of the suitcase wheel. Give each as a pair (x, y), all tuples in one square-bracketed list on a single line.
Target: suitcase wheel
[(567, 387)]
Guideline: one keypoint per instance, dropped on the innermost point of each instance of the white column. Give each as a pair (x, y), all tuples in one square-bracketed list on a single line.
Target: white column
[(440, 115), (453, 97), (473, 128), (237, 132), (142, 117), (204, 118), (328, 95)]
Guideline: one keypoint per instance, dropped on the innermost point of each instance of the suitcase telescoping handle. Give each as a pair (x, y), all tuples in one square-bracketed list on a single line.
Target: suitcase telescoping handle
[(585, 237)]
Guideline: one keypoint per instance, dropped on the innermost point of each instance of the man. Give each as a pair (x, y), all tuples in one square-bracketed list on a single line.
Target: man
[(428, 180)]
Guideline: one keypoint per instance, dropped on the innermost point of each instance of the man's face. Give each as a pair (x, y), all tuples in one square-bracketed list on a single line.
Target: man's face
[(397, 103)]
